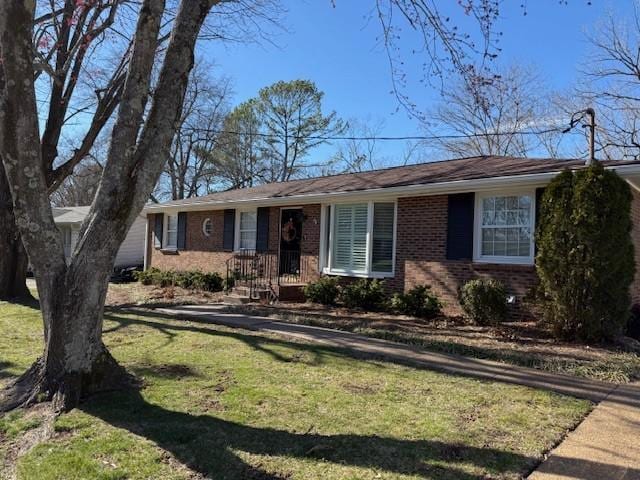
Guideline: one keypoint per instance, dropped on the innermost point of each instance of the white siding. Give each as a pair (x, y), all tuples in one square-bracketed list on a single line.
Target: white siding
[(131, 251)]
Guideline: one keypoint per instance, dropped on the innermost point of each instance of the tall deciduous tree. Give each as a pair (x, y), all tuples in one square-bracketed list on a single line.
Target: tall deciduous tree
[(490, 118), (80, 188), (75, 361), (360, 152), (203, 114), (611, 85), (67, 38)]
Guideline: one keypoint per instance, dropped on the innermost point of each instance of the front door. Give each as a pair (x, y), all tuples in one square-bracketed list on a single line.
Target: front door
[(290, 241)]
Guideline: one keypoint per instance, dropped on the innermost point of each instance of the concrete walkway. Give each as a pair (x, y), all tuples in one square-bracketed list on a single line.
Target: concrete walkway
[(606, 445)]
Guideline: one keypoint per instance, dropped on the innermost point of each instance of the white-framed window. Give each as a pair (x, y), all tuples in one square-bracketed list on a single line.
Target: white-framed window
[(361, 239), (207, 227), (171, 229), (246, 229), (504, 227)]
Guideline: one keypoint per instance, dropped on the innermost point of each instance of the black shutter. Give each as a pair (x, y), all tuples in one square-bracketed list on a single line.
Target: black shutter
[(182, 230), (229, 231), (157, 231), (539, 193), (460, 226), (262, 236)]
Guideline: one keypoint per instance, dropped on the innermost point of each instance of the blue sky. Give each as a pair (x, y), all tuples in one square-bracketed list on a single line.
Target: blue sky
[(337, 47)]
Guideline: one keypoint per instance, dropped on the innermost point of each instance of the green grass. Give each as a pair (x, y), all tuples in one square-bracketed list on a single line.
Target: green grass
[(227, 404)]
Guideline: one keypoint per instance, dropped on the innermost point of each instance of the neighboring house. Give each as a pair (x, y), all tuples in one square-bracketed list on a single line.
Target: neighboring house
[(439, 224), (131, 253)]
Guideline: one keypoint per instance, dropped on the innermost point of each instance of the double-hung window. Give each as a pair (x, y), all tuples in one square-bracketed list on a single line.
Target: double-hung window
[(504, 228), (361, 239), (247, 229), (172, 232)]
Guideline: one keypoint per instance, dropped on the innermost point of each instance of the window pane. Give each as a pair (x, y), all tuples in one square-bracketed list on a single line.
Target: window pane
[(359, 259), (172, 238), (172, 222), (248, 228), (524, 202), (172, 230), (342, 237), (382, 246), (247, 240), (512, 214), (248, 220), (350, 237)]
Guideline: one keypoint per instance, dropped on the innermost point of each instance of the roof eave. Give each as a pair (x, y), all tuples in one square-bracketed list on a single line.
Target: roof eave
[(629, 172)]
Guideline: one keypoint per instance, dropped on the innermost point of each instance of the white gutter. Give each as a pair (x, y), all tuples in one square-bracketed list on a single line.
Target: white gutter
[(455, 186)]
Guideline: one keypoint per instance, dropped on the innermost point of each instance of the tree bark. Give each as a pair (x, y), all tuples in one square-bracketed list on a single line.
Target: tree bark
[(13, 261), (75, 362)]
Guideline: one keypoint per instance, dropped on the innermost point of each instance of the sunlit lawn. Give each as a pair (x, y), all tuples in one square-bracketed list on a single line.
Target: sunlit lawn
[(226, 404)]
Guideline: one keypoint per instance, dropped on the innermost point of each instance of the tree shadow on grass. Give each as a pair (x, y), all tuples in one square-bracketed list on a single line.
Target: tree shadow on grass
[(209, 445), (4, 366), (27, 301), (256, 342), (376, 349)]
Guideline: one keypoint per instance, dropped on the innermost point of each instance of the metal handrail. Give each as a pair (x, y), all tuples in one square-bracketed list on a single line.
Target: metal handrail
[(260, 271)]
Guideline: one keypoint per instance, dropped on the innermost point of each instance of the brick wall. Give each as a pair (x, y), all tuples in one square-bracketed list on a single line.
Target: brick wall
[(420, 252), (201, 253), (207, 253), (421, 257)]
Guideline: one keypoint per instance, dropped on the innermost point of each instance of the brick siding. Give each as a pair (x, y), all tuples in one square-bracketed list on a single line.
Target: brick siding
[(420, 252), (421, 257), (207, 253), (201, 253)]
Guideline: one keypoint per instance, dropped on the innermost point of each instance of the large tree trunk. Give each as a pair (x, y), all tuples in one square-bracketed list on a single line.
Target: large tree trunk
[(75, 362), (72, 366), (13, 260)]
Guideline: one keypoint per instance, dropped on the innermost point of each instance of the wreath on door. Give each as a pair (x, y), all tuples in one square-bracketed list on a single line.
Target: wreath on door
[(289, 231)]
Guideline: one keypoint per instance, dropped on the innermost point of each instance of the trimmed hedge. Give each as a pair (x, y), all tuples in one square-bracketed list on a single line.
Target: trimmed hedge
[(420, 302), (325, 291), (585, 257), (484, 301), (194, 280), (365, 294), (370, 295)]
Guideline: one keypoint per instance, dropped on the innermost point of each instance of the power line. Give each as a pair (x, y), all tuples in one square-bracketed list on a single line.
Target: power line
[(384, 138)]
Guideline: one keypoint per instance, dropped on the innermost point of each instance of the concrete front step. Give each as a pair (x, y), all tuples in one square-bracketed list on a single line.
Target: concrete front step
[(242, 295), (236, 299)]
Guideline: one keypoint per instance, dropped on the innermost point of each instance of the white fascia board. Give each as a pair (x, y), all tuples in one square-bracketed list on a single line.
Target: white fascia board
[(438, 188)]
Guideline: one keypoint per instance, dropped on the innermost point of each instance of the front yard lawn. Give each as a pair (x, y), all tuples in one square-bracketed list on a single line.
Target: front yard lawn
[(226, 404), (519, 343)]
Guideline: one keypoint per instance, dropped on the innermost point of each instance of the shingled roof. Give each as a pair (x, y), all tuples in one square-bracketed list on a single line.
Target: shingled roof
[(70, 214), (420, 174)]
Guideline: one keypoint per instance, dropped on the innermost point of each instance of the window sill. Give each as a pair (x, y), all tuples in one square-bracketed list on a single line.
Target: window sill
[(342, 273), (514, 262), (169, 251)]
